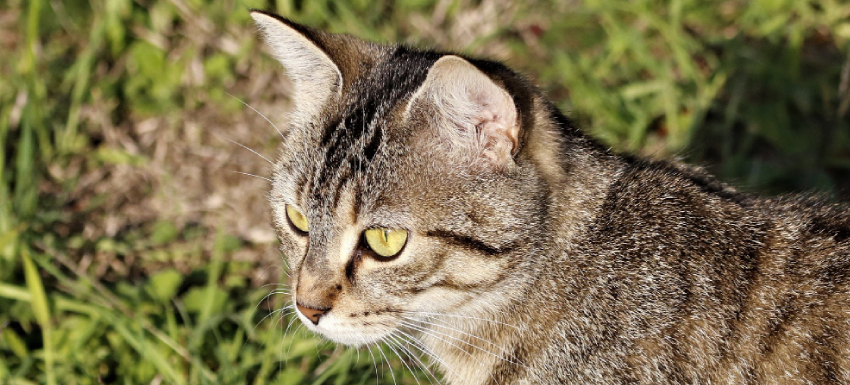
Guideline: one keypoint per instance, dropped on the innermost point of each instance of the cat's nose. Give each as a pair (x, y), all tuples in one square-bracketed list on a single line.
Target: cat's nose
[(313, 314)]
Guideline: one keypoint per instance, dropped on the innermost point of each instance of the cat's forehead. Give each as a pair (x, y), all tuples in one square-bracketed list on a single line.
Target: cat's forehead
[(358, 145)]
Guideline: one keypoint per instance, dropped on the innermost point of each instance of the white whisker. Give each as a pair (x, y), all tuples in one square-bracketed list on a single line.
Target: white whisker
[(436, 335), (389, 343), (247, 148), (278, 311), (387, 360), (374, 363), (424, 349), (249, 174), (358, 356), (292, 338), (414, 360), (258, 112), (501, 349), (464, 317), (272, 293)]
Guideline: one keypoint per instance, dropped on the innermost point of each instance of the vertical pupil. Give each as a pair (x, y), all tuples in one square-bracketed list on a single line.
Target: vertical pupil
[(384, 232)]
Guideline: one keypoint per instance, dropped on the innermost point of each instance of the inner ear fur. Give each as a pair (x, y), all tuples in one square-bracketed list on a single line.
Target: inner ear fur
[(473, 114)]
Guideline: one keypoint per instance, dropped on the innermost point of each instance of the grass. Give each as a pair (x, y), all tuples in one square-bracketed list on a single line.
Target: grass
[(131, 250)]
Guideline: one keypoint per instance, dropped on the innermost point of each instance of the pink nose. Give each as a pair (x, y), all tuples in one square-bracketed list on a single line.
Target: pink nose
[(312, 314)]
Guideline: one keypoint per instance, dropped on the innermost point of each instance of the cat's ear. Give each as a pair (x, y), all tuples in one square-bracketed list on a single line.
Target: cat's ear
[(316, 78), (474, 115)]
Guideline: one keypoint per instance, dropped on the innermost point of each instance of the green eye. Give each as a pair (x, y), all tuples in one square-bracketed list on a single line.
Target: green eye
[(297, 219), (385, 242)]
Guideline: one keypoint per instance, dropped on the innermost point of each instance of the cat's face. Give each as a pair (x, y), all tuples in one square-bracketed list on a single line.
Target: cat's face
[(397, 193)]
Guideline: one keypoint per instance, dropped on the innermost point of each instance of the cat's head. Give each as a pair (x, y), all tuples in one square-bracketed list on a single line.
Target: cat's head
[(404, 185)]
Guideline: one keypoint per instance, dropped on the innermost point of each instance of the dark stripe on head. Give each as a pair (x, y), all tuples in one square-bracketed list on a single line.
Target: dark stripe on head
[(330, 129), (354, 140), (372, 147)]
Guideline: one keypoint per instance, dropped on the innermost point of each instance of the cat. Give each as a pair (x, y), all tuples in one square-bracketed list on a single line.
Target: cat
[(442, 200)]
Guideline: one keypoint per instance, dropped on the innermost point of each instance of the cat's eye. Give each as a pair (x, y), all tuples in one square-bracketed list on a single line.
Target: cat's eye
[(297, 219), (385, 242)]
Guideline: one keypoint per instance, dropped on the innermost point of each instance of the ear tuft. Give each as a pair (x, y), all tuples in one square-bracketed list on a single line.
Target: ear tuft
[(473, 114), (316, 78)]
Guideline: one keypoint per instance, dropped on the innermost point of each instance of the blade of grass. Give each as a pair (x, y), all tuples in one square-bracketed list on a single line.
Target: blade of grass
[(212, 281), (14, 292), (41, 311), (25, 197), (81, 84), (102, 294), (138, 341), (15, 344)]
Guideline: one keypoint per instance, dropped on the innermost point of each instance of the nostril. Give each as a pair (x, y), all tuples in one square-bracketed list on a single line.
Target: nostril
[(313, 314)]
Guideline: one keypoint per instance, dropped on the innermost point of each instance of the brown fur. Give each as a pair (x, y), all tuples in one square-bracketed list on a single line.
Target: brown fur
[(534, 255)]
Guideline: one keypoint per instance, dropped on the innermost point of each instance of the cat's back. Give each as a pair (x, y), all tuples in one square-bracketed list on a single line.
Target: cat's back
[(703, 282)]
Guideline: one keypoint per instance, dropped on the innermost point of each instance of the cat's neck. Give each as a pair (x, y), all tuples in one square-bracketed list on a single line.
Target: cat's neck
[(578, 182), (491, 330), (468, 346)]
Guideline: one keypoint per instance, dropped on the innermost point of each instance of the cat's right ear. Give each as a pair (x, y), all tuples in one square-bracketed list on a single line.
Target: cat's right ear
[(315, 77)]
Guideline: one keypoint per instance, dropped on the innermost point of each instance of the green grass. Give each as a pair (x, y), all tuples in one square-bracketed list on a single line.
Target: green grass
[(130, 253)]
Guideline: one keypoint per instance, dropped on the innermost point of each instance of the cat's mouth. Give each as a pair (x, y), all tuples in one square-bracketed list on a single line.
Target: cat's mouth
[(351, 329)]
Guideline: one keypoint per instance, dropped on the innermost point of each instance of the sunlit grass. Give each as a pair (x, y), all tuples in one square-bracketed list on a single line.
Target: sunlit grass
[(128, 243)]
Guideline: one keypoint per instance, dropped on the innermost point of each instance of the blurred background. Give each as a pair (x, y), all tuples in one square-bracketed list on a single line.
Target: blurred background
[(135, 249)]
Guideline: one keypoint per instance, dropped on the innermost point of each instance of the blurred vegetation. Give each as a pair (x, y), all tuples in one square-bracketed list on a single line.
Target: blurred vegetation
[(98, 291)]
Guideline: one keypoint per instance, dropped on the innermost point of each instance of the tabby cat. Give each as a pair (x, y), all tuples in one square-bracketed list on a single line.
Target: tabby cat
[(431, 197)]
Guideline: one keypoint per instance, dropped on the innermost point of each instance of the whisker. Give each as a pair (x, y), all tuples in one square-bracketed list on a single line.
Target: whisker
[(358, 357), (272, 293), (285, 332), (502, 349), (285, 263), (424, 349), (437, 336), (426, 367), (249, 174), (374, 363), (258, 112), (465, 317), (273, 284), (387, 360), (265, 274), (278, 311), (389, 340), (414, 360), (277, 321), (291, 339), (389, 343), (246, 147)]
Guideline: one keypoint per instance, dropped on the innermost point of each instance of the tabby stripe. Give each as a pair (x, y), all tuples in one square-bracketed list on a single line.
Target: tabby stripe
[(470, 242), (467, 287), (472, 286), (421, 283), (372, 147), (329, 131)]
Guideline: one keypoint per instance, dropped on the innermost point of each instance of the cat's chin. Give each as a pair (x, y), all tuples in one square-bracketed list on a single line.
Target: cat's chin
[(346, 333)]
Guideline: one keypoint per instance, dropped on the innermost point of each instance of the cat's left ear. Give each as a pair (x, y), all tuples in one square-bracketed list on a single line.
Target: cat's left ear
[(474, 115)]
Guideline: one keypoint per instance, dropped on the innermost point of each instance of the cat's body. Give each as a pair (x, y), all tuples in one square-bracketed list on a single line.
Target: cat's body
[(531, 255)]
